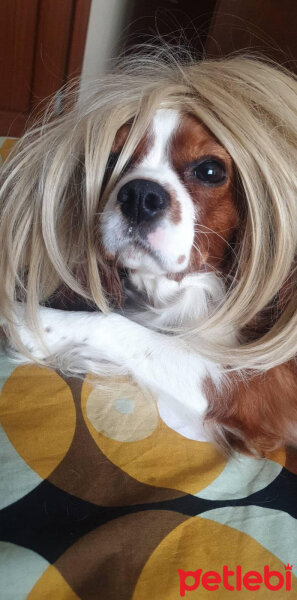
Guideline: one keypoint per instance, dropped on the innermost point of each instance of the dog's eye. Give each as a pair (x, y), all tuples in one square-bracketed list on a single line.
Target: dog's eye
[(210, 172)]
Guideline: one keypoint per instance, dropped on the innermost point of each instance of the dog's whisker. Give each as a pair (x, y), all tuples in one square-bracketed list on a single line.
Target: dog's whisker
[(212, 231)]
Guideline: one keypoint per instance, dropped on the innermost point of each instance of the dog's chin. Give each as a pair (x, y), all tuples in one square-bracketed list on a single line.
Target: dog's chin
[(139, 259), (139, 256), (152, 249)]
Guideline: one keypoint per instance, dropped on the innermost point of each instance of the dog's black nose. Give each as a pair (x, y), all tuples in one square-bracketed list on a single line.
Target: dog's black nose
[(142, 200)]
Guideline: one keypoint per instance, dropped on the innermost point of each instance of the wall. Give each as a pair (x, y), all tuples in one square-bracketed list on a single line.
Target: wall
[(107, 21)]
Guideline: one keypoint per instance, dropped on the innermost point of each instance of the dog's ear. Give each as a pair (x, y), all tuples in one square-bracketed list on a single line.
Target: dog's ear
[(66, 299), (109, 272), (112, 283), (263, 322), (256, 414)]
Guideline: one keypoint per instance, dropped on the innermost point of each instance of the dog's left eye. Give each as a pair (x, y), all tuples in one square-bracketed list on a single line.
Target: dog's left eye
[(210, 172)]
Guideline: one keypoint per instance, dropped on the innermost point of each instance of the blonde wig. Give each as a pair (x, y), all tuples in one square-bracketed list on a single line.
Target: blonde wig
[(54, 188)]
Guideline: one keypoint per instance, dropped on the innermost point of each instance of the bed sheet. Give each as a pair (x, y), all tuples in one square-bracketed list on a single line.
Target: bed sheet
[(101, 498)]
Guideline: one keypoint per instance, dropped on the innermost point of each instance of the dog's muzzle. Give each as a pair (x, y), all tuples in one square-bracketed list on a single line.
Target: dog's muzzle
[(142, 200)]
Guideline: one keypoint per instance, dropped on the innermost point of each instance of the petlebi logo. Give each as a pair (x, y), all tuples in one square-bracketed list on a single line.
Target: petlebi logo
[(235, 580)]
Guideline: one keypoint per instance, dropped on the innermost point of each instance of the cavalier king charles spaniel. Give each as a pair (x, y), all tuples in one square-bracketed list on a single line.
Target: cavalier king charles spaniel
[(162, 203)]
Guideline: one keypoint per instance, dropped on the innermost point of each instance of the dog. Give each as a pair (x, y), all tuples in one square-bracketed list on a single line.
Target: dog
[(163, 201)]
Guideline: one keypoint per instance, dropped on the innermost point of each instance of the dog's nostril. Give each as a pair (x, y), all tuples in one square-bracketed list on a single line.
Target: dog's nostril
[(142, 200), (154, 202)]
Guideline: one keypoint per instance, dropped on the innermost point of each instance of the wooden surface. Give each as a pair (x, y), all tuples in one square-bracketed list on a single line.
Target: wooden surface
[(176, 21), (41, 45), (18, 22), (219, 27), (267, 27)]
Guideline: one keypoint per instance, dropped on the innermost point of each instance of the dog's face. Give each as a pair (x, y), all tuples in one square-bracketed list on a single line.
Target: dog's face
[(173, 210)]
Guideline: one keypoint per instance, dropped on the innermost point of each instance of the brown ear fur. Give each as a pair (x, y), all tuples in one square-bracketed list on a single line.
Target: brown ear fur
[(66, 299), (258, 413)]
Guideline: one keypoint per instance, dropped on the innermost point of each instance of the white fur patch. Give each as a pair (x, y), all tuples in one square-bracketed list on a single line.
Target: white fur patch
[(165, 123), (168, 241)]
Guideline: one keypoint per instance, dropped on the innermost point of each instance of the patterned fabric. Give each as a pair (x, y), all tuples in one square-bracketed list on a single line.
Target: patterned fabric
[(100, 498), (6, 145)]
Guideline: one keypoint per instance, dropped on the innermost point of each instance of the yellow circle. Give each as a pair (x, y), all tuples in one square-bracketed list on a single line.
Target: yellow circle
[(164, 458), (52, 586), (6, 147), (204, 544), (38, 415)]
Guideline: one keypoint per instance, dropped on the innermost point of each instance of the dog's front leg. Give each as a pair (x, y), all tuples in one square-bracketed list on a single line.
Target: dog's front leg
[(92, 341)]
